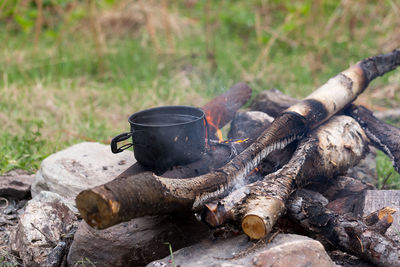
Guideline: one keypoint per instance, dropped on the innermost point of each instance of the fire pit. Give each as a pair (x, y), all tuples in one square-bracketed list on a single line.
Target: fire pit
[(323, 150)]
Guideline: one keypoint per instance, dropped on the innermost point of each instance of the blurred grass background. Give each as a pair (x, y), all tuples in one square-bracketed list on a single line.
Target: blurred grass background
[(73, 70)]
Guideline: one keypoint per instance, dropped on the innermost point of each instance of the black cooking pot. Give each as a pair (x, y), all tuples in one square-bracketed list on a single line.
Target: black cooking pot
[(165, 136)]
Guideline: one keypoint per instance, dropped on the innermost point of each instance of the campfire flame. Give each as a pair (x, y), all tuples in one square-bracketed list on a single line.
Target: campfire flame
[(213, 123)]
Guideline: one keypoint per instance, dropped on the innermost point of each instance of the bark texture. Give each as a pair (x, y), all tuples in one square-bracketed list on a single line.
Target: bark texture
[(344, 88), (344, 193), (382, 135), (347, 232)]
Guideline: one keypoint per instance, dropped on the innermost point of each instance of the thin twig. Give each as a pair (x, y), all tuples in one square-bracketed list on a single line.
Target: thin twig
[(385, 180), (45, 235)]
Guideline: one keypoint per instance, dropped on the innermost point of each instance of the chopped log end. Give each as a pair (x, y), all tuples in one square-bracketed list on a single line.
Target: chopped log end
[(380, 220), (387, 211), (97, 209), (254, 226), (262, 213), (214, 214)]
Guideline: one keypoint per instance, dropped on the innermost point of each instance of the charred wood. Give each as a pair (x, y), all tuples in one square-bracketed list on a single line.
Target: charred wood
[(344, 193), (380, 220), (373, 200), (382, 135), (344, 231), (272, 102), (217, 156)]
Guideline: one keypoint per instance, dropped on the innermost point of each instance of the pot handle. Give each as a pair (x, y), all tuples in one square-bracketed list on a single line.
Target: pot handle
[(121, 137)]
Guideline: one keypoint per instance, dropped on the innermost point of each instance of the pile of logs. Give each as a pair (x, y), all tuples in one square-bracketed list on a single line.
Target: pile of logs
[(310, 141)]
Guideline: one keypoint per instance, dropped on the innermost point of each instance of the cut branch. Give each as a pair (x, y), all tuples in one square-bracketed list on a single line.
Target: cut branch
[(380, 220), (344, 193), (382, 135), (349, 233), (129, 197)]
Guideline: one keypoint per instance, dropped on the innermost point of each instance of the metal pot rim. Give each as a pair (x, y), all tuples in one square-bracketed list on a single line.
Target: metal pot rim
[(200, 116)]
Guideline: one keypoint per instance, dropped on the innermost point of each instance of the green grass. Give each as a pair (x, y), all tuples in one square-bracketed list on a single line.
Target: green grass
[(171, 253), (85, 262), (388, 178), (64, 91), (22, 151)]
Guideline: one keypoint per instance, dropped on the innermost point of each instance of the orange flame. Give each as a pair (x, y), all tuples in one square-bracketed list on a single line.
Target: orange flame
[(214, 122), (210, 121)]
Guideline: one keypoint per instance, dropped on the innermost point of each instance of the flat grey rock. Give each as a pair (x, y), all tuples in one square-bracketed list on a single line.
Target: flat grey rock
[(285, 250), (80, 167)]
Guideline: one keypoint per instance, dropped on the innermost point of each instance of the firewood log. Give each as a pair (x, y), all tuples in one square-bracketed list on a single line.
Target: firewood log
[(347, 232), (128, 197), (330, 98), (272, 102), (327, 151), (382, 135), (344, 193), (380, 220)]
